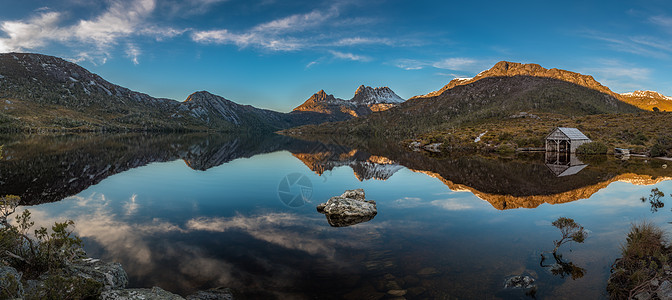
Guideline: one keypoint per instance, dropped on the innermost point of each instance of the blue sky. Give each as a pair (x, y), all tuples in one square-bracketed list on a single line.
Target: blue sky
[(275, 54)]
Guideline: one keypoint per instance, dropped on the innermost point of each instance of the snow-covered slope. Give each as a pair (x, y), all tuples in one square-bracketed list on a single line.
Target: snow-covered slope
[(647, 94)]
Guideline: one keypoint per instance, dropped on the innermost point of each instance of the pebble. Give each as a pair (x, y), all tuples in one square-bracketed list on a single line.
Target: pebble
[(428, 272), (396, 292)]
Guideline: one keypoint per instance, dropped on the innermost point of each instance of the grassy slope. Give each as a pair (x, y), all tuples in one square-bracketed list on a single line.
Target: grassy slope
[(637, 131)]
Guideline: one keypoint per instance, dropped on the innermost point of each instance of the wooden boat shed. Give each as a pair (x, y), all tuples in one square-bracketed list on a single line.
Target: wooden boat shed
[(565, 139)]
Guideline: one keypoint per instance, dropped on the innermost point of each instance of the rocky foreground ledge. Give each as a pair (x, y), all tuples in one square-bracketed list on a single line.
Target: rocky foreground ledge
[(85, 274)]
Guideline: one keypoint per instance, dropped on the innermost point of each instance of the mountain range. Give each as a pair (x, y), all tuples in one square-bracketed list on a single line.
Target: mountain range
[(40, 92)]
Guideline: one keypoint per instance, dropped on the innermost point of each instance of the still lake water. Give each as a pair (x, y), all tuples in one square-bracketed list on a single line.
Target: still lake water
[(194, 212)]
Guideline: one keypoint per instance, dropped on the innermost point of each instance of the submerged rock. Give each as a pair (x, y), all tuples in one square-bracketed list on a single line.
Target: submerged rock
[(348, 209), (519, 282), (155, 293), (428, 272), (212, 294)]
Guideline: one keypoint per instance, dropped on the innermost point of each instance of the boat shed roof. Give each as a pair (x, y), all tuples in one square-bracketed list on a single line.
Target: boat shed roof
[(571, 133)]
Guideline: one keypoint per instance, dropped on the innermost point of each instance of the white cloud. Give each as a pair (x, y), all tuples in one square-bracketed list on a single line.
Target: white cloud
[(640, 45), (411, 64), (310, 64), (187, 8), (121, 19), (349, 56), (33, 33), (663, 21), (408, 202), (618, 75), (352, 41), (93, 37), (271, 35), (452, 204), (455, 63), (133, 52)]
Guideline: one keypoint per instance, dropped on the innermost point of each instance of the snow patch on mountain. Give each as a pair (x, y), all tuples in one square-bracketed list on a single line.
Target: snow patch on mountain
[(367, 95), (647, 94)]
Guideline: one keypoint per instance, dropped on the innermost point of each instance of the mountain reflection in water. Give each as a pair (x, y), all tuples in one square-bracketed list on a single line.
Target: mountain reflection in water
[(195, 211)]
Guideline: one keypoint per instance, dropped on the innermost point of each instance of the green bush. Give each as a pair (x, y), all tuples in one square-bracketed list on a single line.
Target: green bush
[(49, 250), (504, 149), (592, 148), (644, 255), (662, 147)]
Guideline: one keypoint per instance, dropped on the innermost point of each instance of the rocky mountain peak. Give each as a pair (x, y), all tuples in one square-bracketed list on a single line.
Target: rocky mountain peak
[(323, 97), (366, 95), (510, 69), (201, 96)]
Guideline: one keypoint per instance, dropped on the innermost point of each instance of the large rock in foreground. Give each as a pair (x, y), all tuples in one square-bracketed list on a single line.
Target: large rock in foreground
[(111, 275), (348, 209)]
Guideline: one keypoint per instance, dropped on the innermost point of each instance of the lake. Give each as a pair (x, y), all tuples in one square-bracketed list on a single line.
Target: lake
[(196, 211)]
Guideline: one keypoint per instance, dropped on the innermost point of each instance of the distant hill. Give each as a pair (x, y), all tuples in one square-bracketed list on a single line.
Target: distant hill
[(365, 101), (509, 69), (46, 93), (642, 99)]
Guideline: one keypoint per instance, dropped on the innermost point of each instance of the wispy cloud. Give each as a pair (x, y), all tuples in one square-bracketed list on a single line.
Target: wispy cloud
[(272, 35), (95, 36), (663, 21), (619, 75), (464, 64), (452, 204), (133, 52), (349, 56), (411, 64), (640, 45), (188, 7), (353, 41), (454, 63)]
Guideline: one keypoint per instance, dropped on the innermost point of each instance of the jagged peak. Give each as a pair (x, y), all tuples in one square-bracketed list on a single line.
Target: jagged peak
[(322, 96), (368, 95)]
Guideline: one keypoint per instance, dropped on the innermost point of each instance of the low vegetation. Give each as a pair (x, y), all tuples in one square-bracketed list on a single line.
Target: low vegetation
[(663, 146), (642, 133), (644, 265), (42, 254), (592, 148)]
